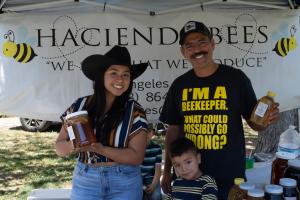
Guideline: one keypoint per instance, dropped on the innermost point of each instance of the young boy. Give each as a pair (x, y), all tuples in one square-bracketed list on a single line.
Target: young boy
[(151, 167), (191, 182)]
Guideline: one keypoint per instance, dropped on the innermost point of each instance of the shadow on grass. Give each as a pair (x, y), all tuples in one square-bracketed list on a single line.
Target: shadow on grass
[(29, 161), (53, 128), (16, 128)]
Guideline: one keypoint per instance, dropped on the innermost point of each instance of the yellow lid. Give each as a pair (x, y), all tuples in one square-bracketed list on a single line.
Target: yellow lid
[(238, 181), (271, 94)]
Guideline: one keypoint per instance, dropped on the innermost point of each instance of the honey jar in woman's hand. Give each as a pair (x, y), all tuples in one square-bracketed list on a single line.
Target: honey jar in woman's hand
[(80, 129)]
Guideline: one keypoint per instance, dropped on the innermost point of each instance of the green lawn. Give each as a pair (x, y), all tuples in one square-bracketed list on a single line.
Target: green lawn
[(28, 161)]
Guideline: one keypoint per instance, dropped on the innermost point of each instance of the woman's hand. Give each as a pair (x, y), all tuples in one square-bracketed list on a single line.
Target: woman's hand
[(133, 154), (94, 147), (97, 147), (63, 145)]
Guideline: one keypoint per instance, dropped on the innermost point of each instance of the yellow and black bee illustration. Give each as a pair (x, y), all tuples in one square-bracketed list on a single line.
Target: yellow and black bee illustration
[(22, 52), (284, 45)]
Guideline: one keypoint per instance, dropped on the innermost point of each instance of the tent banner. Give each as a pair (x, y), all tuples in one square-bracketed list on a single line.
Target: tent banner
[(40, 70)]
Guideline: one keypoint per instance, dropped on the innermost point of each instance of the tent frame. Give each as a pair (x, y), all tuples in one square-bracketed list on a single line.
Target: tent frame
[(201, 4)]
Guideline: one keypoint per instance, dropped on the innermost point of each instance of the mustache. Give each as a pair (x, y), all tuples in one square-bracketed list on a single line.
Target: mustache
[(198, 54)]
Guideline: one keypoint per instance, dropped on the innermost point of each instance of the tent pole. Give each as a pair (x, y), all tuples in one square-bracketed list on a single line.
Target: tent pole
[(112, 7), (179, 9), (2, 3), (201, 5), (257, 4), (291, 4), (36, 6), (299, 120)]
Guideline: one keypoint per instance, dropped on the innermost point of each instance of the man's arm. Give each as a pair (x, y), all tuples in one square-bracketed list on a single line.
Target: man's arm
[(173, 132)]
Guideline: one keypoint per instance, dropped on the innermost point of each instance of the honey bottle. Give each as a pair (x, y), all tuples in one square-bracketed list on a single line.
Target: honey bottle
[(262, 109), (239, 192), (235, 191), (279, 166), (80, 130)]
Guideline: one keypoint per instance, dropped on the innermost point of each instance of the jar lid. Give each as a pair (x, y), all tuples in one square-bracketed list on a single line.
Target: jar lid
[(294, 163), (271, 94), (238, 181), (288, 182), (273, 189), (256, 193), (247, 186), (285, 155), (83, 112)]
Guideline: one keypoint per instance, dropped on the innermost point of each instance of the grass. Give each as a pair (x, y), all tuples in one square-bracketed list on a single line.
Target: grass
[(28, 161)]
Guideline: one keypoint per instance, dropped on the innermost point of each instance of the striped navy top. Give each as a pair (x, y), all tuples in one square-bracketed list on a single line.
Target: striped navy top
[(151, 159), (203, 188), (133, 121)]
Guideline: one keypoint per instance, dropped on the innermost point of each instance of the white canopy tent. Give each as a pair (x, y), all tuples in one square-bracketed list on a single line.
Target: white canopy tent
[(144, 6)]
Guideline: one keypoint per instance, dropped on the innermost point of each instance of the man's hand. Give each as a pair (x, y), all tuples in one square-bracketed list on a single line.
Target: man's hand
[(274, 114)]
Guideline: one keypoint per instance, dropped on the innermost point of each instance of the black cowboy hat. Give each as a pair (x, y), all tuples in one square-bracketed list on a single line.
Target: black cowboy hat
[(116, 56)]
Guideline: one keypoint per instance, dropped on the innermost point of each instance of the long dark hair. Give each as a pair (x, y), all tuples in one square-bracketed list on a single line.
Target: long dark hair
[(106, 122)]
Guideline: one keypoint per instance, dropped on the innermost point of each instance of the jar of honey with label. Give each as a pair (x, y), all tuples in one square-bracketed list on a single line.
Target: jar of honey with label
[(80, 129), (262, 109)]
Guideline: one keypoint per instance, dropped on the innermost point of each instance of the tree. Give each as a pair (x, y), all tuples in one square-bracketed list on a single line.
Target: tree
[(268, 140)]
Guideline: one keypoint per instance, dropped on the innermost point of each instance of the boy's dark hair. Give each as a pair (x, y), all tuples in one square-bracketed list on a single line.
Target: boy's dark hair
[(181, 146)]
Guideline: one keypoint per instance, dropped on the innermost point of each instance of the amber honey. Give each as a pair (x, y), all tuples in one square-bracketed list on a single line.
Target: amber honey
[(79, 129), (262, 109), (279, 165), (239, 190)]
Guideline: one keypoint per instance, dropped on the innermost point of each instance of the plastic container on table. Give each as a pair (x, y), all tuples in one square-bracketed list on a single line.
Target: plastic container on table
[(290, 190), (273, 192), (255, 194), (293, 171)]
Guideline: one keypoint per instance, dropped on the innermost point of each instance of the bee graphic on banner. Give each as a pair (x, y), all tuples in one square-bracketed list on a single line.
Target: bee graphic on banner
[(20, 52), (285, 45)]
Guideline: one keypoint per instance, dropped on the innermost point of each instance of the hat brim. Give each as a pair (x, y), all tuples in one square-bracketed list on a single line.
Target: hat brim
[(91, 66)]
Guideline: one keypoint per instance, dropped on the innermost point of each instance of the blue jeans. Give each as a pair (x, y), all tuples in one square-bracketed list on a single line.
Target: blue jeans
[(118, 182)]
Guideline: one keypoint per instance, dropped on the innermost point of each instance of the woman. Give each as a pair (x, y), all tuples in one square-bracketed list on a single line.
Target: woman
[(109, 169)]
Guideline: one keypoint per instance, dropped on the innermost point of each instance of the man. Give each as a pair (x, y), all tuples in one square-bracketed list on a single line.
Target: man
[(206, 105)]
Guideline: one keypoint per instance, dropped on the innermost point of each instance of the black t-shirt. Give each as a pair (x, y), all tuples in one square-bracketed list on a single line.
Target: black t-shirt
[(209, 111)]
